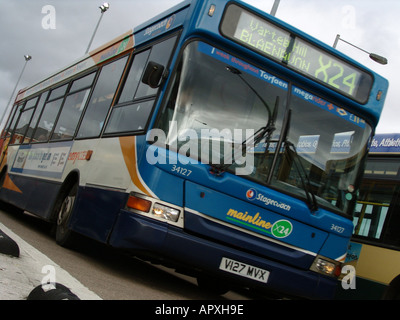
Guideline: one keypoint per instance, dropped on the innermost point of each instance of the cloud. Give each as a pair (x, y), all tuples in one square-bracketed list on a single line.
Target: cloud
[(371, 25), (368, 24), (24, 31)]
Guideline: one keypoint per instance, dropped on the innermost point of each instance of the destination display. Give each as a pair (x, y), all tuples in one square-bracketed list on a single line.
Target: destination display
[(279, 44)]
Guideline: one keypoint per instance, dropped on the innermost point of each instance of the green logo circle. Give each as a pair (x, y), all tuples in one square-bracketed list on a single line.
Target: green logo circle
[(282, 228)]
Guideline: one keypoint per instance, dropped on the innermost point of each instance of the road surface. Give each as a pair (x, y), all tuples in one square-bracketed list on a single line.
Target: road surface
[(106, 272)]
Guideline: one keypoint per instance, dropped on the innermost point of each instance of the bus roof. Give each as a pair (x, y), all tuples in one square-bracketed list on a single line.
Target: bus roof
[(115, 47)]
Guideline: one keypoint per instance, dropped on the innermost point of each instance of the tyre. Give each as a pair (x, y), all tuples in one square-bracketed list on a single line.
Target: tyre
[(63, 212)]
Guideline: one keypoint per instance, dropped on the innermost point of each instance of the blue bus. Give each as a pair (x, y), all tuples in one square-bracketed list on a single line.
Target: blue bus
[(214, 138)]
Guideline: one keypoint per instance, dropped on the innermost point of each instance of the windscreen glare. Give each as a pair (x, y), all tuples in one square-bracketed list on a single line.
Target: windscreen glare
[(236, 117)]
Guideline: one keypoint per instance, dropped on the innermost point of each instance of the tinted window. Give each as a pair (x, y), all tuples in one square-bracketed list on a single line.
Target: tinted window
[(130, 118), (24, 120), (133, 116), (22, 126), (70, 115), (31, 103), (47, 120), (15, 118), (161, 54), (83, 83), (36, 115), (58, 92), (134, 77), (9, 120), (101, 99)]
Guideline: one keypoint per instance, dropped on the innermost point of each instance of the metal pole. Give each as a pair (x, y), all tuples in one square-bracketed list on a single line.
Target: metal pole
[(336, 40), (27, 58), (355, 46), (373, 56), (275, 8), (94, 33)]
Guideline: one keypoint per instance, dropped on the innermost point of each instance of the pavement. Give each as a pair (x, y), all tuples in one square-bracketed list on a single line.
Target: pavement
[(28, 274)]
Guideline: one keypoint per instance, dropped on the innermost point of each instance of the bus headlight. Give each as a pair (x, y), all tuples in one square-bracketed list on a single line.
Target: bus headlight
[(154, 208), (326, 266), (163, 211)]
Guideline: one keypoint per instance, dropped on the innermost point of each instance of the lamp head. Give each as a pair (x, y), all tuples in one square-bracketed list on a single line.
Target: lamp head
[(104, 7), (377, 58)]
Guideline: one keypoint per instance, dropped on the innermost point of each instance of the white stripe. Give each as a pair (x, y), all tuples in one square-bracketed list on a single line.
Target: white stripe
[(250, 232), (19, 276), (139, 175)]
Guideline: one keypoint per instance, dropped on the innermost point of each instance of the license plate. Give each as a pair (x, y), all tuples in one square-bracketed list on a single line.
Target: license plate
[(244, 270)]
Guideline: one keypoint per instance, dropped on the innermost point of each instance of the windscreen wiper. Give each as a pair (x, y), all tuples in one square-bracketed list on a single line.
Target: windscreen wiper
[(305, 180), (259, 135)]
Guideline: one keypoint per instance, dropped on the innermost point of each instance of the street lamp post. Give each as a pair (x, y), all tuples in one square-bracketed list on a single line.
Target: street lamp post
[(27, 58), (103, 8), (373, 56), (275, 8)]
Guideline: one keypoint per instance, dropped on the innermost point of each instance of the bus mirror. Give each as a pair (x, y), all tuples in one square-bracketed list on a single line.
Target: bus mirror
[(153, 74)]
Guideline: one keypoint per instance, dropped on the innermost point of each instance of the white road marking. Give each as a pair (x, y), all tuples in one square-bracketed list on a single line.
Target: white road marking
[(19, 276)]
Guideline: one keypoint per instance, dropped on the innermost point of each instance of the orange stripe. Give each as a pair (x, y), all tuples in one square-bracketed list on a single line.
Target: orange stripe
[(128, 147), (9, 184)]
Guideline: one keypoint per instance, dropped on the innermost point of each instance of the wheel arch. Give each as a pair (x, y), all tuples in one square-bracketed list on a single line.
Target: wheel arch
[(3, 174), (71, 179)]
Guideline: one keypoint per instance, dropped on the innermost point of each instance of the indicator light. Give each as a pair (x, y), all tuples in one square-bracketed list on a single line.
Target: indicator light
[(211, 10)]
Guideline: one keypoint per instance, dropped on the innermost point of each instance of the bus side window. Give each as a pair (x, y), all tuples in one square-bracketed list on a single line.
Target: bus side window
[(47, 119), (9, 126), (49, 114), (132, 117), (101, 99), (24, 121), (36, 116), (134, 76), (137, 98), (73, 107), (16, 116), (160, 54)]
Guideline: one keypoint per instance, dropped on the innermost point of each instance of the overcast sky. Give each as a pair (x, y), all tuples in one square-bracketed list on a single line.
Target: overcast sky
[(28, 28)]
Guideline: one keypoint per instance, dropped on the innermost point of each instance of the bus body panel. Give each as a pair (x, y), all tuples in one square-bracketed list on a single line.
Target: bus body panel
[(183, 249), (98, 210), (252, 218), (24, 192), (209, 228), (200, 180)]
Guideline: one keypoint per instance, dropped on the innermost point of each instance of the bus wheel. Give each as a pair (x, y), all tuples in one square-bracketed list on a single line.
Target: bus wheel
[(64, 235)]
